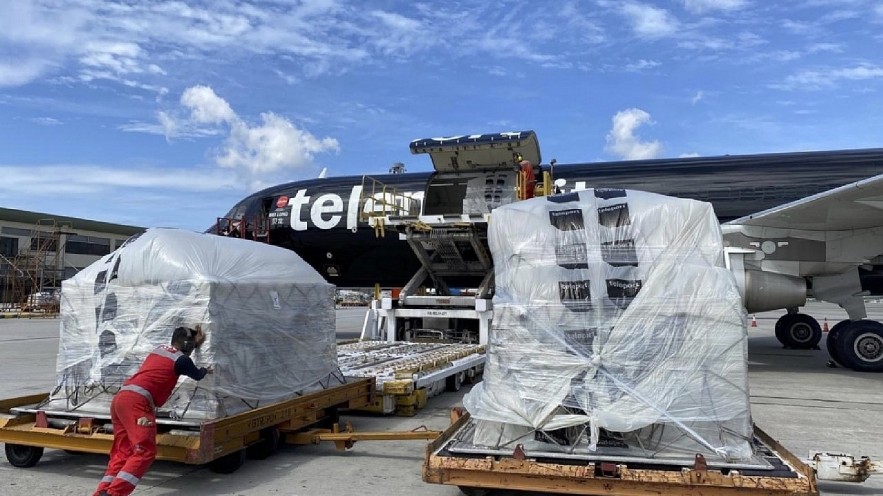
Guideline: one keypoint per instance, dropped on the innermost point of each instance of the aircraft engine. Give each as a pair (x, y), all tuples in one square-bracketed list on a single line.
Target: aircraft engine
[(765, 291)]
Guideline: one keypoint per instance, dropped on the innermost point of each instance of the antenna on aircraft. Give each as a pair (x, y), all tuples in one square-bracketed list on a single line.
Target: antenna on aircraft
[(397, 168), (324, 173)]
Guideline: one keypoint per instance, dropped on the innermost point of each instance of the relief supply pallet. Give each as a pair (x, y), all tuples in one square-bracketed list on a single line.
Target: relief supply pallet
[(222, 443), (408, 374), (781, 473)]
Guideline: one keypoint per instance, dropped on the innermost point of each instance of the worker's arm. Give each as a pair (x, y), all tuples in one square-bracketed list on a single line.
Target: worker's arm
[(185, 366)]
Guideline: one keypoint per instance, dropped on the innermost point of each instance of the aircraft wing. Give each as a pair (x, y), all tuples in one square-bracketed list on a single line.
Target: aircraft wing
[(858, 205)]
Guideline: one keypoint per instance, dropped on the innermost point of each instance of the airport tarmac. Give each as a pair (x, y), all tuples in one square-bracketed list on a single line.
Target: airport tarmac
[(794, 396)]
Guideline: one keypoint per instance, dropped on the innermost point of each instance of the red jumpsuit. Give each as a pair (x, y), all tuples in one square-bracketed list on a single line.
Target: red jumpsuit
[(529, 180), (133, 413)]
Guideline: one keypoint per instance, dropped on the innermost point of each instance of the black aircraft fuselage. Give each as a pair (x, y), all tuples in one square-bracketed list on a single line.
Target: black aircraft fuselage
[(319, 219)]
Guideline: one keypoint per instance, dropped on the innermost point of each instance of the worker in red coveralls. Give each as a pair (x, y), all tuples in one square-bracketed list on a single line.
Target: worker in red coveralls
[(133, 410), (528, 179)]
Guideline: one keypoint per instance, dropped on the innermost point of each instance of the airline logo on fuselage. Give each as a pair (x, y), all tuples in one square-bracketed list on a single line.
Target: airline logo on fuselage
[(331, 210), (318, 210)]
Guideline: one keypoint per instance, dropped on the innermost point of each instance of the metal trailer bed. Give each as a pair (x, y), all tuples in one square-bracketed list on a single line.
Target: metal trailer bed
[(478, 474), (222, 443)]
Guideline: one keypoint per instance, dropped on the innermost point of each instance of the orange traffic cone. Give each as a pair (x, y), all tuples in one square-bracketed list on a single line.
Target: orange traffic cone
[(753, 321), (825, 326)]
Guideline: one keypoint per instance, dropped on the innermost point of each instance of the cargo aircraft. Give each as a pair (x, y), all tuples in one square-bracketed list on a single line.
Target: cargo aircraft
[(805, 224)]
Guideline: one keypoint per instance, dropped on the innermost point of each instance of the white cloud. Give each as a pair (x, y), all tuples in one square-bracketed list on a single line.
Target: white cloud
[(206, 107), (46, 121), (22, 71), (820, 79), (642, 64), (78, 179), (689, 155), (139, 196), (273, 145), (699, 96), (825, 47), (622, 141), (798, 27), (702, 6), (137, 44), (649, 21), (168, 123)]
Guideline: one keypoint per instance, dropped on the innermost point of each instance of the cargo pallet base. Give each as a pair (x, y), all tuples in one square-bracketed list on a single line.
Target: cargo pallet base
[(223, 444), (477, 474)]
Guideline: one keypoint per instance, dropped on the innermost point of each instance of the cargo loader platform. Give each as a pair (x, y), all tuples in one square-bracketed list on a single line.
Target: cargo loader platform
[(407, 374)]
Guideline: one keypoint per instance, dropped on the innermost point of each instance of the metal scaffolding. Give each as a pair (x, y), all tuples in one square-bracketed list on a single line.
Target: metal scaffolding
[(32, 278)]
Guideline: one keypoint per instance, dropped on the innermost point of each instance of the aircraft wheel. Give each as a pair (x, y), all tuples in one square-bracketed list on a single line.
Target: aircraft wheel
[(798, 331), (831, 342), (860, 346), (22, 456)]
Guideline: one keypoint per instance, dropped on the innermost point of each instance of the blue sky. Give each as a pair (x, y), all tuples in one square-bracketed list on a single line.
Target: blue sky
[(165, 113)]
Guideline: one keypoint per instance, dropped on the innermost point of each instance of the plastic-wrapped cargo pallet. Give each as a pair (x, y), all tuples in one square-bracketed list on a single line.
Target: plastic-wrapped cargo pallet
[(615, 322), (268, 316)]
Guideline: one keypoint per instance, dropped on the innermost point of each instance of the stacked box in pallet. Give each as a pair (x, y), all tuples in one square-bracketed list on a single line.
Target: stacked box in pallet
[(268, 317), (613, 316)]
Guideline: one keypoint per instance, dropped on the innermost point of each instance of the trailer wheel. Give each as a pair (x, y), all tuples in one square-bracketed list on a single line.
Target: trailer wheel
[(22, 456), (798, 331), (831, 342), (229, 463), (332, 416), (860, 346), (454, 382), (474, 491), (472, 376), (268, 444)]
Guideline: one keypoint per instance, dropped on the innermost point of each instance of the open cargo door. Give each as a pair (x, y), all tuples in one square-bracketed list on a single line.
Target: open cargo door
[(475, 173), (477, 152)]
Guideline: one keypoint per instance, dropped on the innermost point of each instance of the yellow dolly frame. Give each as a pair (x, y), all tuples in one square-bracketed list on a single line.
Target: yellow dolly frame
[(478, 475), (223, 443)]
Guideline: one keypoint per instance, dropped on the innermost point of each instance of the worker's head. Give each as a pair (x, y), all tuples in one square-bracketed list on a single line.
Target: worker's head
[(184, 338)]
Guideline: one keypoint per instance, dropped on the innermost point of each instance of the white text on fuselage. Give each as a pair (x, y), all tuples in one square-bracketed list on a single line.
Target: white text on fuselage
[(327, 210)]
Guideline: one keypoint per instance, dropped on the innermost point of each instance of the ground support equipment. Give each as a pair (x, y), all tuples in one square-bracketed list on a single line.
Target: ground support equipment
[(477, 474), (408, 374), (223, 444)]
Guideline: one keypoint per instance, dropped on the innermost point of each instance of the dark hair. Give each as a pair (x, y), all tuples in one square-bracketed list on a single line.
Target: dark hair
[(182, 336)]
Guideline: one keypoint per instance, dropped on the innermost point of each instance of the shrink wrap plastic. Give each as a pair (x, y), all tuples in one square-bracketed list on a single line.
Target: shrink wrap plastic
[(614, 311), (268, 317)]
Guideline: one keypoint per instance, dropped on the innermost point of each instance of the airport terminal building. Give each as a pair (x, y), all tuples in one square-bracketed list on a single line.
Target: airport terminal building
[(39, 250)]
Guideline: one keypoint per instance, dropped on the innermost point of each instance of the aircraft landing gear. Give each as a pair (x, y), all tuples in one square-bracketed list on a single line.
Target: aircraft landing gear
[(798, 331), (832, 343), (857, 345)]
